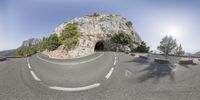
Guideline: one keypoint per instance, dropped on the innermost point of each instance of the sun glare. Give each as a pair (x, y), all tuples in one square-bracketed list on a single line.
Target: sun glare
[(173, 31)]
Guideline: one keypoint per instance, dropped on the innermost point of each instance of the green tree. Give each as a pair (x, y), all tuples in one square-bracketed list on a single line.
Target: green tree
[(25, 51), (179, 51), (52, 42), (42, 45), (122, 38), (142, 48), (167, 45), (69, 36)]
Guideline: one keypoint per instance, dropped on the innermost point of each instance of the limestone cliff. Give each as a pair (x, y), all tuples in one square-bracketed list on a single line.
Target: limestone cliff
[(32, 42)]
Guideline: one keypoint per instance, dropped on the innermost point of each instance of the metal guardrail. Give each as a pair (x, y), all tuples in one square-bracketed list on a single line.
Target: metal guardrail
[(5, 58)]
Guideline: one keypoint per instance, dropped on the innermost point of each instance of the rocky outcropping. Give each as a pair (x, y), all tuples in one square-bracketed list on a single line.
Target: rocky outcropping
[(96, 32), (32, 42)]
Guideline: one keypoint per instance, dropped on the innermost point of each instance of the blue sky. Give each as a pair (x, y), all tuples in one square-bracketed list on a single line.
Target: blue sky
[(152, 19)]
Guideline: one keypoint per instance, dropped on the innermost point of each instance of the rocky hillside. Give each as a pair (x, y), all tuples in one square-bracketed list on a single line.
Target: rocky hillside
[(96, 31)]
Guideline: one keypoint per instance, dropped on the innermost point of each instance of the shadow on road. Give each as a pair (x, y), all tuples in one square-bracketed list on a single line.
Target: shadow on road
[(152, 70), (156, 71), (188, 66)]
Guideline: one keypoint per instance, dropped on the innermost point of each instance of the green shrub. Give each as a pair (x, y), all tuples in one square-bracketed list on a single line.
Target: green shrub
[(25, 51), (42, 45), (121, 38), (96, 14), (129, 24), (142, 48), (52, 42), (69, 36)]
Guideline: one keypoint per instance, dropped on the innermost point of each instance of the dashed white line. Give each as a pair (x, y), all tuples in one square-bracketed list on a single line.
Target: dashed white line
[(32, 73), (71, 63), (76, 88), (34, 76), (29, 66), (109, 73), (114, 62)]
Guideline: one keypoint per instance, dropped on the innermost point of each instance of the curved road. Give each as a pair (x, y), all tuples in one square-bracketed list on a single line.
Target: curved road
[(102, 76)]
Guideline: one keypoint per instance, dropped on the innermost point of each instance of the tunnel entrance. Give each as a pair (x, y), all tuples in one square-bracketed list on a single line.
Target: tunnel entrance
[(99, 46)]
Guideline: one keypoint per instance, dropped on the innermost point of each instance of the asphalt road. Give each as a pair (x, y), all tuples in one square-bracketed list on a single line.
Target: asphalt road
[(101, 76)]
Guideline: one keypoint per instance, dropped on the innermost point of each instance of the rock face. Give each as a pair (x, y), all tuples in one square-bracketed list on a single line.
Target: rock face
[(96, 32), (30, 42)]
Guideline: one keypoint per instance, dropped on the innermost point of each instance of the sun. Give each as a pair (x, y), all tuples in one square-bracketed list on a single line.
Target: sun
[(173, 31)]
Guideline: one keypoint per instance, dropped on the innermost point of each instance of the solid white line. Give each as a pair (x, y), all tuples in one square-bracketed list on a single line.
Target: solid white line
[(110, 72), (76, 88), (34, 76), (71, 63), (29, 66)]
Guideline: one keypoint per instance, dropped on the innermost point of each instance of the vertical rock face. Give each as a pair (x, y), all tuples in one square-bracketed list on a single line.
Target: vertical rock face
[(96, 32), (30, 42)]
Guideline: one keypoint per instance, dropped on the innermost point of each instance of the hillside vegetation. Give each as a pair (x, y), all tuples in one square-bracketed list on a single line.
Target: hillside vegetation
[(68, 37)]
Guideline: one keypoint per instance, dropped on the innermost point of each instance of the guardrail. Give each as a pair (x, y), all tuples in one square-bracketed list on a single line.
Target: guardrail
[(5, 58)]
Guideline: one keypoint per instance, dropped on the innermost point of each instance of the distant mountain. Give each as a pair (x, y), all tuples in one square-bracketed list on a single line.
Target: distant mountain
[(197, 54), (8, 53), (187, 54), (27, 43)]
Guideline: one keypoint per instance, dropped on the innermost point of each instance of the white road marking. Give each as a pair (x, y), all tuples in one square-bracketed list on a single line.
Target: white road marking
[(109, 73), (76, 63), (115, 62), (34, 76), (29, 66), (76, 88)]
